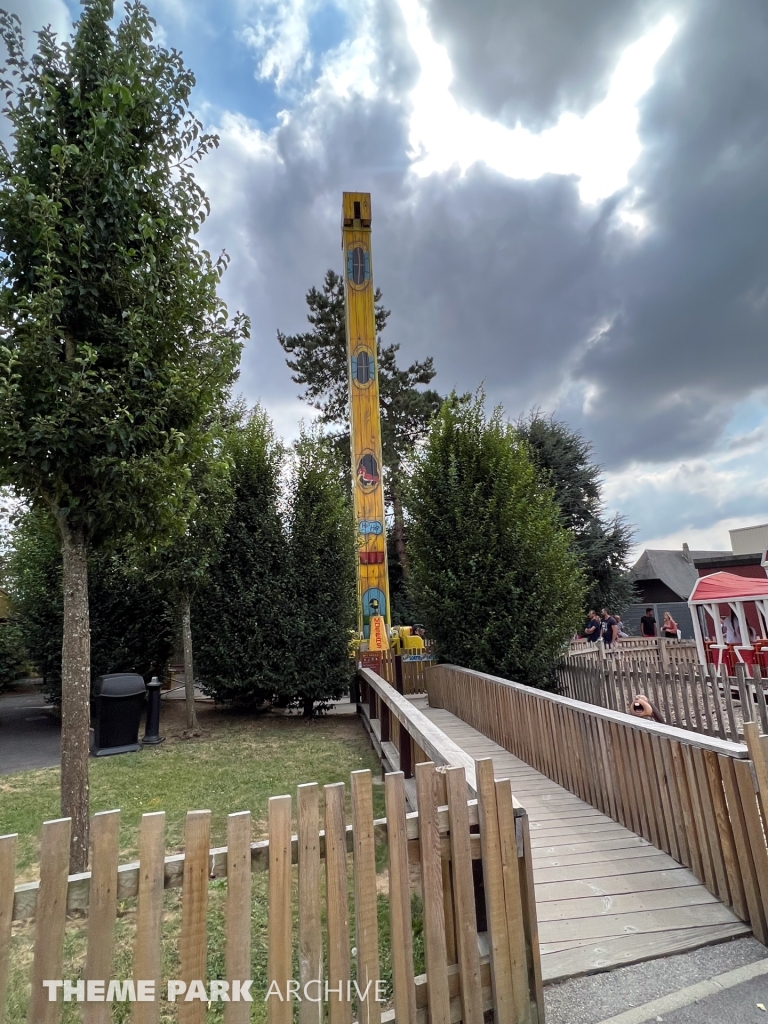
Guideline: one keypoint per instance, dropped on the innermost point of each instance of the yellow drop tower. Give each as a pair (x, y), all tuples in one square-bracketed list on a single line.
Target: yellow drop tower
[(365, 422)]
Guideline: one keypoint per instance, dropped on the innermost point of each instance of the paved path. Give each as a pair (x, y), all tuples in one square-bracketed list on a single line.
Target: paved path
[(604, 895), (29, 733)]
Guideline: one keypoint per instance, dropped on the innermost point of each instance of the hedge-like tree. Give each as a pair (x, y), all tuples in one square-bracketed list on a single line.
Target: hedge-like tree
[(132, 620), (241, 616), (114, 345), (493, 573), (323, 550)]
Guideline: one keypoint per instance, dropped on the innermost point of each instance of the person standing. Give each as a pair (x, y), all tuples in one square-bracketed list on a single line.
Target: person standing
[(669, 627), (610, 629), (593, 628), (648, 623)]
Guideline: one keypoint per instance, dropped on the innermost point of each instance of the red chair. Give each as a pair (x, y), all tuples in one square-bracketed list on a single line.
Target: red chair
[(744, 655), (719, 656)]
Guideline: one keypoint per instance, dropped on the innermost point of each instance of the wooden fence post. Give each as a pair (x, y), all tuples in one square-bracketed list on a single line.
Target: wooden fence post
[(399, 673), (7, 874), (50, 920), (758, 752)]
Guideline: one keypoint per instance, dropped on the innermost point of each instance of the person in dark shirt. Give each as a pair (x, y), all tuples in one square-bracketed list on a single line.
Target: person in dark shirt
[(610, 629), (648, 623), (593, 628)]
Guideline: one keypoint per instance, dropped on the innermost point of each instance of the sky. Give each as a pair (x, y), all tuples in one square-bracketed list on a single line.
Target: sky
[(570, 204)]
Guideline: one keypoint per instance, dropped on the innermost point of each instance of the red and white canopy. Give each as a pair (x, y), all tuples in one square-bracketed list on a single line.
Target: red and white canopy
[(726, 586)]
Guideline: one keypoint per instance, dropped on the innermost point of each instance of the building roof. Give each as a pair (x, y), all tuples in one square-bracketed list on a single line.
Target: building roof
[(725, 560), (725, 586), (674, 568)]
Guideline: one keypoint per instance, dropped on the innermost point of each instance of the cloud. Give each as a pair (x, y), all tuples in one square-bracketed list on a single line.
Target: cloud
[(532, 62), (280, 37), (618, 278), (36, 14), (599, 148), (714, 537)]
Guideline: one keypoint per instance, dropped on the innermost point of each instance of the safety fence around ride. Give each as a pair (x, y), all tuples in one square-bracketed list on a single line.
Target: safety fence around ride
[(689, 696), (701, 799), (662, 651)]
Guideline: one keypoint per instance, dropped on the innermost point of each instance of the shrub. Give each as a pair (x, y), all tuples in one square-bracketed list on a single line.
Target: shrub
[(322, 549), (493, 573)]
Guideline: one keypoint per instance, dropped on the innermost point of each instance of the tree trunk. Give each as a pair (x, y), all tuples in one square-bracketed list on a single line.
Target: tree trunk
[(398, 531), (309, 707), (75, 693), (189, 674)]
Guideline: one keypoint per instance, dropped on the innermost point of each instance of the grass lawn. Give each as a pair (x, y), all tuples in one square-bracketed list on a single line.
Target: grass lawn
[(237, 765)]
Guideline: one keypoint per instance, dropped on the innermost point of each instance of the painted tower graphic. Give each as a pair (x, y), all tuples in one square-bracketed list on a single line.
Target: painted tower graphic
[(365, 425)]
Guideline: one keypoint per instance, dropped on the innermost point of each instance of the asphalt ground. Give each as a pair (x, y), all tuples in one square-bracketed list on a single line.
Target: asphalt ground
[(598, 998), (29, 732)]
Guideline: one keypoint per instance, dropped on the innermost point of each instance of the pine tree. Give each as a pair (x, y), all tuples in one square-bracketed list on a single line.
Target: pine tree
[(565, 460), (318, 359), (494, 576)]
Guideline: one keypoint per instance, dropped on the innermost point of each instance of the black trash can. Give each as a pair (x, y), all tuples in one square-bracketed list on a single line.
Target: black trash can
[(120, 701)]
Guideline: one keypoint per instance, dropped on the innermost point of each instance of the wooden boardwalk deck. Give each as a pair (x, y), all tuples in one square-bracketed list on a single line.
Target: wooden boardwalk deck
[(605, 897)]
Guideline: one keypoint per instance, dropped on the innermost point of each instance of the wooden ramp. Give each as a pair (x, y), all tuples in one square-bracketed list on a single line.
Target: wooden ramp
[(604, 896)]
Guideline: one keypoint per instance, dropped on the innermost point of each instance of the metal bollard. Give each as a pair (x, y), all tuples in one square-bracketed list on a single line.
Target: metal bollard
[(152, 729)]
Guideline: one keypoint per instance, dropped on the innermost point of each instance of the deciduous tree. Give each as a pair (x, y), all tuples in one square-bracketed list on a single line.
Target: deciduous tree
[(114, 346)]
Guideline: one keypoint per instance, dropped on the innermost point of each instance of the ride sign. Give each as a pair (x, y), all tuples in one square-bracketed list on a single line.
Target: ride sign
[(378, 640)]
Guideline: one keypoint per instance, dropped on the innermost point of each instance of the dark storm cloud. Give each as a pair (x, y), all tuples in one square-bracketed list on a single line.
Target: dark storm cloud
[(495, 277), (532, 60), (690, 335), (645, 341)]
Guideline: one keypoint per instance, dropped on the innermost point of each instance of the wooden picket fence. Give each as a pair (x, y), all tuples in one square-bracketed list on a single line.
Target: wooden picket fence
[(430, 853), (656, 650), (689, 696), (701, 799)]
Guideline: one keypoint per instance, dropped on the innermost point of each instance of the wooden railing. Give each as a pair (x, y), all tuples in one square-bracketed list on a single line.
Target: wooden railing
[(695, 797), (695, 697), (438, 846), (658, 651), (406, 739)]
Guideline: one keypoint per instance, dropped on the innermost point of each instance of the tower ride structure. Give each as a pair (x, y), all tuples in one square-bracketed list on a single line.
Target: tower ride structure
[(365, 420)]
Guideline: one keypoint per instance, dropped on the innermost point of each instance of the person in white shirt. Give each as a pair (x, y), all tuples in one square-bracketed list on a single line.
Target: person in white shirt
[(731, 630)]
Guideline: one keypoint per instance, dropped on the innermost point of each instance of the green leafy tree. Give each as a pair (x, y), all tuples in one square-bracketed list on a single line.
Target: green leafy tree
[(318, 359), (114, 346), (323, 550), (241, 617), (132, 620), (13, 652), (181, 566), (565, 461), (493, 573)]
